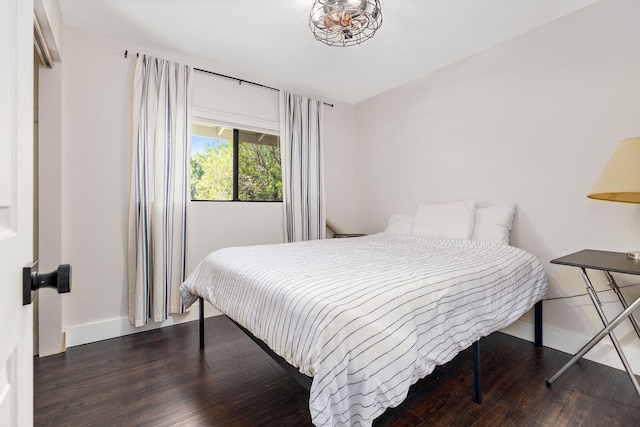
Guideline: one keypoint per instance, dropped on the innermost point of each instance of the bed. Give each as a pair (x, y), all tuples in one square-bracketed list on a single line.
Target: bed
[(367, 317)]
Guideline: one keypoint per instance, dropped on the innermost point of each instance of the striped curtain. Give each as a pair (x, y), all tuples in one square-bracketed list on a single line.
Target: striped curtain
[(302, 167), (161, 133)]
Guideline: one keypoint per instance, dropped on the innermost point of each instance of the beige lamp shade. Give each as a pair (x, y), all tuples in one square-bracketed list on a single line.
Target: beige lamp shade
[(620, 179)]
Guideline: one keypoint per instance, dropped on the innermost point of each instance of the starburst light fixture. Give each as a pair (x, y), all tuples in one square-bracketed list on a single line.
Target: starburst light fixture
[(344, 22)]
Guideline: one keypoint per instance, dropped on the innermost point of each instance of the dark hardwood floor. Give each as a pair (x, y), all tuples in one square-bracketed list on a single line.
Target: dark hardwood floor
[(161, 378)]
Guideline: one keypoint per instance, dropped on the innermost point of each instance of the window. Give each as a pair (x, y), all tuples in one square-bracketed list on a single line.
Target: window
[(234, 164)]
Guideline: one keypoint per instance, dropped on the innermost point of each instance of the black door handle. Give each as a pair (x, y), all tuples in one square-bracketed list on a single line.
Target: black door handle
[(32, 280)]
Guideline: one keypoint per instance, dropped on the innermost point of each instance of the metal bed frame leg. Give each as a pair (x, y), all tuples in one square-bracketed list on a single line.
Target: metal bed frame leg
[(477, 381), (477, 374), (201, 304), (538, 324)]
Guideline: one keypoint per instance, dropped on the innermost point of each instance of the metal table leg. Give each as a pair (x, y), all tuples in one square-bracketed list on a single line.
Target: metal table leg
[(608, 329), (623, 301)]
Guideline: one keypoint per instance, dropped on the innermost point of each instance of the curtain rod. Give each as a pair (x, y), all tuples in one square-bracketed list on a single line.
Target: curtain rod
[(240, 81)]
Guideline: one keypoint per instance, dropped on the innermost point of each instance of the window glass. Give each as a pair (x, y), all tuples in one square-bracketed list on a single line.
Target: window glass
[(233, 164), (211, 163), (260, 176)]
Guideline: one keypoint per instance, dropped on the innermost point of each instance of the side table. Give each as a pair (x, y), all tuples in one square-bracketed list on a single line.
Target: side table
[(607, 262)]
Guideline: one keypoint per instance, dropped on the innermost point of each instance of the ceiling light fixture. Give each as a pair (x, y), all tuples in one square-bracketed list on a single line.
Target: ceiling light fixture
[(344, 22)]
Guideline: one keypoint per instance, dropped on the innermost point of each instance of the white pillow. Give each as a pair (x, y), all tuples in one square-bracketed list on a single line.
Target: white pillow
[(400, 224), (493, 223), (447, 221)]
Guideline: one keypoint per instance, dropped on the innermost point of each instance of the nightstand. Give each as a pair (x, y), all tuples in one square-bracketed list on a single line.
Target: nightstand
[(607, 262), (346, 235)]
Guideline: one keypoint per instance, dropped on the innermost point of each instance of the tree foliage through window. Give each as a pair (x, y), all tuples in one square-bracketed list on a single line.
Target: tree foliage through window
[(212, 173), (212, 165), (260, 174)]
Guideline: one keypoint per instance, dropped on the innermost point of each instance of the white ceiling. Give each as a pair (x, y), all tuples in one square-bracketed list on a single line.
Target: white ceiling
[(269, 41)]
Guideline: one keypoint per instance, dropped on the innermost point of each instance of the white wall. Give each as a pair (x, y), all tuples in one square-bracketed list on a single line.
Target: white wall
[(341, 175), (95, 183), (531, 121), (95, 178), (49, 304), (216, 225)]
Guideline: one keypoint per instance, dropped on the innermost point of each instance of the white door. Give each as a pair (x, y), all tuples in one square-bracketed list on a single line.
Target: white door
[(16, 210)]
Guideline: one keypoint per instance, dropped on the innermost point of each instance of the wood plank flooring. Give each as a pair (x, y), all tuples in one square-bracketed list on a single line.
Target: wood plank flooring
[(161, 378)]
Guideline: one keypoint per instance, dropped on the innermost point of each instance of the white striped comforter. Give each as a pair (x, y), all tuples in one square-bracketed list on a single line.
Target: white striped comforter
[(367, 317)]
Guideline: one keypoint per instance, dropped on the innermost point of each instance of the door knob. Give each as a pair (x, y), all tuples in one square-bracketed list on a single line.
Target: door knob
[(32, 280)]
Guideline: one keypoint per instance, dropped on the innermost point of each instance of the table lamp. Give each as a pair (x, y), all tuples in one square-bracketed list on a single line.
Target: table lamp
[(620, 179)]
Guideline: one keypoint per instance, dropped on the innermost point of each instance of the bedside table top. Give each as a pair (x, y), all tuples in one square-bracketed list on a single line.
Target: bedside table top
[(601, 260)]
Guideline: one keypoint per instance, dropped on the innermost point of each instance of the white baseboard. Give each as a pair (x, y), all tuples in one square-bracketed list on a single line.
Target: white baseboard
[(113, 328), (565, 341), (569, 342)]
